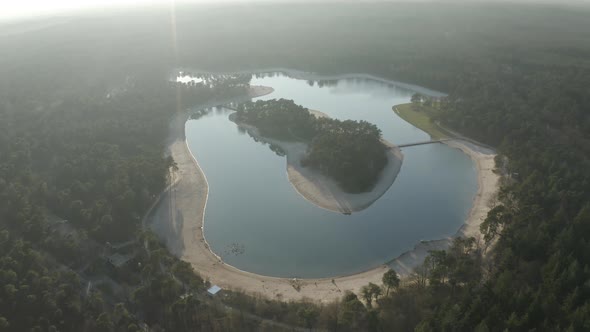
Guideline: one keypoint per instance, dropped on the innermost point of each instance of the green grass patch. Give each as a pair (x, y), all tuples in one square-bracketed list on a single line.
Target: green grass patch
[(419, 116)]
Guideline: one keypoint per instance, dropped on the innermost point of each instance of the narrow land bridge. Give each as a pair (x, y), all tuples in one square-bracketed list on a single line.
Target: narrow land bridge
[(423, 143)]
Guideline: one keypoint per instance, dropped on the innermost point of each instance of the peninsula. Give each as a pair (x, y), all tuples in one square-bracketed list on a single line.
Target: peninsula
[(342, 166)]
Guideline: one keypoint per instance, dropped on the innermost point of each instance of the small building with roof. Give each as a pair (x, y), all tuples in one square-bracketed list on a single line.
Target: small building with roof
[(214, 290)]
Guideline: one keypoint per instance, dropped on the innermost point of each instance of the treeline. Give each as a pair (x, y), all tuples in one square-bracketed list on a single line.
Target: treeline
[(350, 152), (394, 304), (539, 118), (78, 171), (409, 304), (517, 77), (281, 119), (536, 272), (41, 292), (537, 269)]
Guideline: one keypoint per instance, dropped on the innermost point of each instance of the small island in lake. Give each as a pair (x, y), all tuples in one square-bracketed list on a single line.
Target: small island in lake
[(343, 166)]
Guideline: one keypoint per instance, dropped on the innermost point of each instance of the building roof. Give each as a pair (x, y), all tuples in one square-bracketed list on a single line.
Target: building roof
[(214, 290)]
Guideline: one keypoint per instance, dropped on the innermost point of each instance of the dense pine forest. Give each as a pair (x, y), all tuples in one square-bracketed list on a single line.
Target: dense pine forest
[(84, 110), (350, 152)]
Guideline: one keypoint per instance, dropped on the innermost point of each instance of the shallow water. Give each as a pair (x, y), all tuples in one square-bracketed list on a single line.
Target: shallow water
[(257, 222)]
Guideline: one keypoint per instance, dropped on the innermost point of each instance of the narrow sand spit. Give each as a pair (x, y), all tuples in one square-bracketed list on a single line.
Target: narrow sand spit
[(323, 191), (178, 220)]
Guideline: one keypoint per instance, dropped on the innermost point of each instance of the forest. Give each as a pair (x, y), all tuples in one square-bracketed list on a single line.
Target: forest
[(350, 152), (76, 176), (83, 117)]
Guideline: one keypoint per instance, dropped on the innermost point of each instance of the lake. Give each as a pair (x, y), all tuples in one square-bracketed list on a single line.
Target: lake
[(257, 222)]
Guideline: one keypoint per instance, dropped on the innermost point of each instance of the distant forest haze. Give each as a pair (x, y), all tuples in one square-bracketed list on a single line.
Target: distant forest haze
[(85, 105), (25, 9)]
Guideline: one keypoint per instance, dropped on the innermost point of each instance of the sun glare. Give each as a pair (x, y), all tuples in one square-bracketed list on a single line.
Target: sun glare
[(29, 8), (10, 9)]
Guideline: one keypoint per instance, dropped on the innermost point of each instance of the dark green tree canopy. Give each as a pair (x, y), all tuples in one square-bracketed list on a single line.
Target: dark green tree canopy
[(349, 151)]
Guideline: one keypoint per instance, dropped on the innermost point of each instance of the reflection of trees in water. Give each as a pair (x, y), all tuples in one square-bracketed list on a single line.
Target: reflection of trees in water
[(267, 74), (277, 149), (273, 147), (216, 80), (253, 136), (199, 113), (219, 109), (327, 83)]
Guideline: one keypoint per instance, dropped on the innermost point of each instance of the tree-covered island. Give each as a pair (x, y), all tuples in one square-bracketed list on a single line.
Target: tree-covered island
[(350, 152)]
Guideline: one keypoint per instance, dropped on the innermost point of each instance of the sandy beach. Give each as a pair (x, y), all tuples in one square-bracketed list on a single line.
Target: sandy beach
[(178, 219), (323, 191)]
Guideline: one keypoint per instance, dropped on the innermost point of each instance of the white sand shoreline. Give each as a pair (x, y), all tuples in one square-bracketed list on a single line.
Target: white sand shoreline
[(184, 234)]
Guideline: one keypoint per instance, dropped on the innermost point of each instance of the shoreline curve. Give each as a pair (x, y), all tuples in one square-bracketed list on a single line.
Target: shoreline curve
[(321, 190), (184, 233)]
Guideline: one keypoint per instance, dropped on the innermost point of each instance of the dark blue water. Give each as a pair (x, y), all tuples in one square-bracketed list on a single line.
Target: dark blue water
[(257, 222)]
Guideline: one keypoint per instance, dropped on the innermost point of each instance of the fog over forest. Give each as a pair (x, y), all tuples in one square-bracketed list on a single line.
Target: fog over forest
[(12, 10), (112, 123)]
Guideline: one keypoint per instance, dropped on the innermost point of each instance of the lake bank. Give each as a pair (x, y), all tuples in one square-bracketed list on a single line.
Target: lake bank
[(488, 185), (183, 234), (306, 75), (420, 120), (321, 190), (482, 156)]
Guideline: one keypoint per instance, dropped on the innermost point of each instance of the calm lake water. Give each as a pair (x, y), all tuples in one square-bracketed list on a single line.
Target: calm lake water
[(257, 222)]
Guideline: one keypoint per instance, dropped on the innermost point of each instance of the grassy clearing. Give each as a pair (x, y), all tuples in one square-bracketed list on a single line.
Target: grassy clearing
[(420, 118)]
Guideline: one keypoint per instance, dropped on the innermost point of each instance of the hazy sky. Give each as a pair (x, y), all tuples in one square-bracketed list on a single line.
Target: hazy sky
[(29, 8), (24, 8)]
